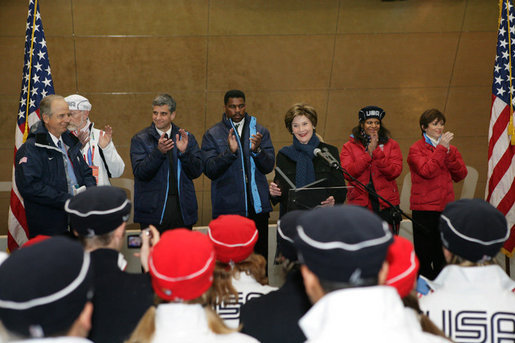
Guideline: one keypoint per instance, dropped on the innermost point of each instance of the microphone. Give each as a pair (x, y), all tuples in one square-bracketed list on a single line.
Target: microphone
[(327, 157)]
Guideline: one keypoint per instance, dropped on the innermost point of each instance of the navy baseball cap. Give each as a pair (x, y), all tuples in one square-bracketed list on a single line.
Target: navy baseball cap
[(473, 229), (98, 210), (44, 287), (343, 243)]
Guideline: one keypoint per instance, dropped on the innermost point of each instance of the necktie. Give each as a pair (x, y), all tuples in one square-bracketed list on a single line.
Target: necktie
[(70, 174)]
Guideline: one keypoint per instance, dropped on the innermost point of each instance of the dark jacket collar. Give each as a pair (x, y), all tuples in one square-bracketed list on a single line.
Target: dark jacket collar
[(42, 136), (227, 121)]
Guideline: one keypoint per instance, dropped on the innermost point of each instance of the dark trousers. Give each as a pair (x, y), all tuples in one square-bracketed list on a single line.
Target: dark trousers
[(261, 220), (428, 244), (172, 218)]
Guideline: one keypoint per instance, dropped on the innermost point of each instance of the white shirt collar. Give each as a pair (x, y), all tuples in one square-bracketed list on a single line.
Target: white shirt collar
[(169, 132), (55, 139), (239, 126)]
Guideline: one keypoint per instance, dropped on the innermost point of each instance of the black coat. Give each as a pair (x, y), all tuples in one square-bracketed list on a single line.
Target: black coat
[(322, 170), (120, 298), (274, 317)]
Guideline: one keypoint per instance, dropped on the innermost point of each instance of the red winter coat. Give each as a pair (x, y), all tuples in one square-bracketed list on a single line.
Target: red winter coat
[(432, 172), (385, 164)]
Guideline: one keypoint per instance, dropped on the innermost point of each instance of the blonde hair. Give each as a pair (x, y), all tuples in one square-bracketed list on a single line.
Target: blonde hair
[(455, 259), (144, 331), (222, 290)]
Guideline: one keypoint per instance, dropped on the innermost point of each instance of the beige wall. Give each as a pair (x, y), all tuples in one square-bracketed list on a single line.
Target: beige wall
[(338, 55)]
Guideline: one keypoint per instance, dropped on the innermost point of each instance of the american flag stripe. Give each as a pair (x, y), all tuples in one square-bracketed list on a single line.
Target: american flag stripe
[(36, 84), (500, 188)]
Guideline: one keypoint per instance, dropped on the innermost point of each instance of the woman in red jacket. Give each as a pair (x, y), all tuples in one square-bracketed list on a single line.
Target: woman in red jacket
[(434, 165), (374, 159)]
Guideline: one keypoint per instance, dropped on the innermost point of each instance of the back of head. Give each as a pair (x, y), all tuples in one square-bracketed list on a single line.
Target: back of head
[(473, 229), (344, 245), (403, 266), (181, 265), (286, 233), (98, 210), (44, 287), (233, 237)]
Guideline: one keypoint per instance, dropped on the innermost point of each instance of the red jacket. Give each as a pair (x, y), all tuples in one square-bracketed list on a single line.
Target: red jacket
[(432, 172), (385, 164)]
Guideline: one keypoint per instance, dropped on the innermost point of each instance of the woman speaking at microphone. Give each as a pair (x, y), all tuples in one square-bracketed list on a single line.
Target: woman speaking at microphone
[(299, 163), (375, 160)]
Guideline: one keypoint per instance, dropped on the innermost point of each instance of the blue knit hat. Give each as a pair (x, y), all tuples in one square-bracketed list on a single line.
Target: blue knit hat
[(371, 112)]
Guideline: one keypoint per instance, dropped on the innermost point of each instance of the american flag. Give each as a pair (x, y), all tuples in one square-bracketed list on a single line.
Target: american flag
[(500, 187), (35, 85)]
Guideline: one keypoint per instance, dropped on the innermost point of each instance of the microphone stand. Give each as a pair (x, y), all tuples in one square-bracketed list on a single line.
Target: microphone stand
[(326, 155)]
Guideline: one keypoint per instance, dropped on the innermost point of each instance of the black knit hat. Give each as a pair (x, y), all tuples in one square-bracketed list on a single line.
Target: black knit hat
[(44, 287), (286, 232), (98, 210), (343, 243), (371, 112), (473, 229)]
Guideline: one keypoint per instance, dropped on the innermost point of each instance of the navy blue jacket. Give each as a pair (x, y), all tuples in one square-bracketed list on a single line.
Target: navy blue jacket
[(151, 168), (41, 179), (225, 169)]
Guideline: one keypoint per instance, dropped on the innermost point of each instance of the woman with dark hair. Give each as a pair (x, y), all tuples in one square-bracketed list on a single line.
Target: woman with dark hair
[(375, 160), (434, 164), (299, 163)]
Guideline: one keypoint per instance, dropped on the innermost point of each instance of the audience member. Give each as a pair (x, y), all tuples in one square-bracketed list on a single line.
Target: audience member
[(402, 274), (434, 164), (274, 317), (374, 159), (45, 292), (99, 216), (299, 163), (181, 266), (50, 169), (165, 160), (343, 251), (238, 153), (472, 298), (98, 149), (239, 273)]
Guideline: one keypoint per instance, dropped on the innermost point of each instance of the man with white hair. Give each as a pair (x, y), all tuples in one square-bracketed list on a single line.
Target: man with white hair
[(97, 146)]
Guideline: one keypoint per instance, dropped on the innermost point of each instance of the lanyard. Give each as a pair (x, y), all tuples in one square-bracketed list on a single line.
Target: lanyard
[(90, 155)]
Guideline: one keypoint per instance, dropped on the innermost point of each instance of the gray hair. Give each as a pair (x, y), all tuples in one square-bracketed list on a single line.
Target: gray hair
[(165, 99), (45, 106)]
